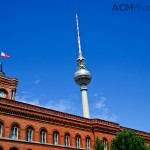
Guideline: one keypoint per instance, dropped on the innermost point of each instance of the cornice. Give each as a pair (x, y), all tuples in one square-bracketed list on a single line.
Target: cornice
[(56, 114), (28, 111), (106, 123), (106, 129), (140, 133), (43, 118), (7, 78), (11, 82)]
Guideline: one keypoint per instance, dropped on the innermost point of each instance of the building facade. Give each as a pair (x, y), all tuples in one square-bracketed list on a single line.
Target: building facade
[(28, 127)]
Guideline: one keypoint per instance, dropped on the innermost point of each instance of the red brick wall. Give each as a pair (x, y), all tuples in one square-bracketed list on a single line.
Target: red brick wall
[(23, 123)]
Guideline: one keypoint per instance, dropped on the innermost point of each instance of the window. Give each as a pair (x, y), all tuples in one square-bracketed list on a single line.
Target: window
[(14, 132), (29, 133), (14, 148), (55, 138), (77, 141), (88, 143), (3, 93), (67, 139), (1, 129), (105, 144), (1, 148), (43, 136)]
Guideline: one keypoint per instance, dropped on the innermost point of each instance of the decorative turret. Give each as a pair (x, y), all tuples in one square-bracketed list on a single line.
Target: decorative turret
[(82, 77), (8, 86)]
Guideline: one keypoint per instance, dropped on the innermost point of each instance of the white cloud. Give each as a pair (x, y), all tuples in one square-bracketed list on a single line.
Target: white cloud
[(37, 81), (33, 102), (101, 104), (69, 105), (107, 117), (95, 95), (63, 105), (60, 105), (101, 111), (24, 92), (25, 99)]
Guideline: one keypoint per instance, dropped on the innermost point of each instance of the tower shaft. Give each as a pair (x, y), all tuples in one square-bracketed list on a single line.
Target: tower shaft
[(85, 105)]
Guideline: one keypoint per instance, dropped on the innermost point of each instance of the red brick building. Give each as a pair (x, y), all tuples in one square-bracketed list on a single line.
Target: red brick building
[(28, 127)]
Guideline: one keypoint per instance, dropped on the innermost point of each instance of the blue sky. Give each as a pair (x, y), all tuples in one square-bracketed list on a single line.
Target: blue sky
[(41, 38)]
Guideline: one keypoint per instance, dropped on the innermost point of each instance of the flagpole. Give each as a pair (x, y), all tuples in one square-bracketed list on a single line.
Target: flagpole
[(1, 58), (1, 69)]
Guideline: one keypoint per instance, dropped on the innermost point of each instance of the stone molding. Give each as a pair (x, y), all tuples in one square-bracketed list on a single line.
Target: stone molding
[(146, 135), (38, 143), (54, 117)]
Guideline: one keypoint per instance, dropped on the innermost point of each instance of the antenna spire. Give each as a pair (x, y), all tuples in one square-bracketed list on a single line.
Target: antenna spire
[(79, 43)]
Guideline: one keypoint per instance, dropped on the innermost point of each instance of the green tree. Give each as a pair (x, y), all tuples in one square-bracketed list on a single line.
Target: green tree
[(128, 140), (148, 147), (98, 145)]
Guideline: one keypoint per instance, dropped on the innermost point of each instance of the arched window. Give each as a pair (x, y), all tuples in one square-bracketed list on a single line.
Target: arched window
[(88, 143), (78, 141), (14, 131), (29, 134), (67, 139), (55, 138), (43, 136), (1, 129), (105, 144)]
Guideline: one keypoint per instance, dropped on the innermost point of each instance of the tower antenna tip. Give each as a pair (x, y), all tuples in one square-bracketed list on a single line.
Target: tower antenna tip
[(79, 42)]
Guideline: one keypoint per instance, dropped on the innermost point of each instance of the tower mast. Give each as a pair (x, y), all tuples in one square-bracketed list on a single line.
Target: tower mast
[(82, 77), (79, 43)]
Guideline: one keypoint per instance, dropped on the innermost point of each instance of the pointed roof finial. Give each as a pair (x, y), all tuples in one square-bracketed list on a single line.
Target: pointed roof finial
[(79, 43), (1, 70)]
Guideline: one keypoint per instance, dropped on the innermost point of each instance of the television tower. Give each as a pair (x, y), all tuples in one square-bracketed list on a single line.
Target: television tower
[(82, 77)]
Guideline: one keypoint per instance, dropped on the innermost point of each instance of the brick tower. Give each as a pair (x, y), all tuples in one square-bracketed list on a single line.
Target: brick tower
[(8, 86)]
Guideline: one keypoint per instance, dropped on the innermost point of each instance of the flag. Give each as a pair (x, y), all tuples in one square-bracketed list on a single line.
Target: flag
[(4, 55)]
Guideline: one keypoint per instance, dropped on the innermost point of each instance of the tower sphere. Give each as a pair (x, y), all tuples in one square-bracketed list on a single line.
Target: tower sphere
[(82, 77)]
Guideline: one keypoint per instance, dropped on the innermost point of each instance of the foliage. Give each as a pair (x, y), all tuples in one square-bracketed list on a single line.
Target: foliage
[(128, 140), (98, 145), (147, 147)]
